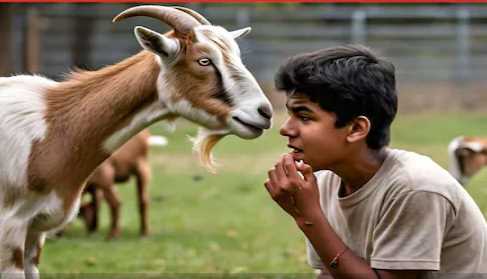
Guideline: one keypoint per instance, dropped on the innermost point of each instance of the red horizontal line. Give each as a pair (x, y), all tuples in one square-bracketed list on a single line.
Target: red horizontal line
[(250, 1)]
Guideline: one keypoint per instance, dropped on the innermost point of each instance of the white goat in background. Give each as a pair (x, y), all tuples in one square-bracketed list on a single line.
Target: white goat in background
[(54, 134), (467, 155)]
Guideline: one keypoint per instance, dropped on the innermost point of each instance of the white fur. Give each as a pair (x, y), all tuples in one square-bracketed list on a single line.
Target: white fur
[(21, 123), (157, 141), (186, 109), (142, 119), (454, 165), (245, 93)]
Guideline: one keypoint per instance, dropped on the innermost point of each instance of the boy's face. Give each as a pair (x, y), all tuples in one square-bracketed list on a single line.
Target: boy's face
[(312, 134)]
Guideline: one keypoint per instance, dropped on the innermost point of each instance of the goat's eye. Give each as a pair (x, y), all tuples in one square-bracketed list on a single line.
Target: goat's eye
[(204, 61)]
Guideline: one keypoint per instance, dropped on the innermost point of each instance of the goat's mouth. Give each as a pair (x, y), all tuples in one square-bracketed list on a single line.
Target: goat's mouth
[(251, 130)]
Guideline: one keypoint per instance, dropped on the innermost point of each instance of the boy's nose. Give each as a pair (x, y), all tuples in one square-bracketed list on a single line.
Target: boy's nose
[(286, 129)]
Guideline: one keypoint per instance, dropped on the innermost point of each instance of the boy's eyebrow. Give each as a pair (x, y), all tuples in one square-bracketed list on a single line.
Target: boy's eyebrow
[(298, 108)]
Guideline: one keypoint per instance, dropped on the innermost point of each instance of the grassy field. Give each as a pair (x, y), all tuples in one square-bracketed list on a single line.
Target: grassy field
[(226, 223)]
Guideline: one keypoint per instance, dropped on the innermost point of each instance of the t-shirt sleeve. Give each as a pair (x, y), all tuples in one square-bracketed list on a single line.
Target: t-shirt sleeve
[(410, 232)]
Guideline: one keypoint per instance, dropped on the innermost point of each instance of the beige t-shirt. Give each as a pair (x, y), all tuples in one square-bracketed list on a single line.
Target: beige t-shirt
[(410, 215)]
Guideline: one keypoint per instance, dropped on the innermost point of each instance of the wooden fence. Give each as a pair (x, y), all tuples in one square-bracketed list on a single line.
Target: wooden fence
[(425, 42)]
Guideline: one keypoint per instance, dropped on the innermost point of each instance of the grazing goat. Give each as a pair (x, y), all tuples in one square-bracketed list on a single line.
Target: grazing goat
[(131, 159), (467, 156), (53, 135)]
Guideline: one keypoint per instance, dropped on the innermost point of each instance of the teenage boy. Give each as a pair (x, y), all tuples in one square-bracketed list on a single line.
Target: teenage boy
[(367, 211)]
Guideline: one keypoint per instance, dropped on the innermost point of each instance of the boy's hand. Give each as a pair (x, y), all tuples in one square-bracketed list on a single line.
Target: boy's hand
[(297, 194)]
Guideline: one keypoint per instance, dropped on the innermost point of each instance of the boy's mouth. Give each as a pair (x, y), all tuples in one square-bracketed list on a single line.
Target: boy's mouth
[(296, 152), (295, 149)]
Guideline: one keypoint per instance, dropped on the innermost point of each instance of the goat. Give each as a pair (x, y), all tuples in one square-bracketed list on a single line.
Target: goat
[(53, 135), (467, 156), (131, 159)]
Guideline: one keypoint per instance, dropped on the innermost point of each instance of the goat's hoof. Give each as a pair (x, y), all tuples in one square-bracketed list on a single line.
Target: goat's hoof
[(113, 235)]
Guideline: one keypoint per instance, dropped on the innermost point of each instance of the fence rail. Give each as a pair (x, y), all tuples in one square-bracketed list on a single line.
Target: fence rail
[(425, 42)]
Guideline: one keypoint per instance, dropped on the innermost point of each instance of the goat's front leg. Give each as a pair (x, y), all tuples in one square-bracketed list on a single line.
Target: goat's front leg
[(33, 247), (12, 240), (111, 196)]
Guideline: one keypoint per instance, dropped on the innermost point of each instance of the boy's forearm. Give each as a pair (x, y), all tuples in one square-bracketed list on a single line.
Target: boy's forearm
[(328, 245)]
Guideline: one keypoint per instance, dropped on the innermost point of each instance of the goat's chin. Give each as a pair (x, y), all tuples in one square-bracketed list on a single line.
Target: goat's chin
[(203, 144)]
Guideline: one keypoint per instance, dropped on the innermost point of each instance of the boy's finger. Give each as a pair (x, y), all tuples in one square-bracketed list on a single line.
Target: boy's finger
[(272, 175), (280, 171), (290, 167), (269, 187), (306, 170)]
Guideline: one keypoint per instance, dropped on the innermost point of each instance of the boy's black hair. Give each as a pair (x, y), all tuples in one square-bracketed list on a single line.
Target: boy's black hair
[(349, 81)]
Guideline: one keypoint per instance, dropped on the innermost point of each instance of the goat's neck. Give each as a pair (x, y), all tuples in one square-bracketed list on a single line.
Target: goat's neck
[(93, 113)]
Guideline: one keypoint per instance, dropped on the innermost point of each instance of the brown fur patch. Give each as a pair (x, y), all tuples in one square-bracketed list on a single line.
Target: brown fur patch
[(18, 258), (470, 161), (81, 113), (37, 258), (481, 141), (198, 84)]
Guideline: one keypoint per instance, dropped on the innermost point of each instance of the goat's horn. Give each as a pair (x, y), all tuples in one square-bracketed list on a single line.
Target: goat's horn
[(180, 21), (194, 14)]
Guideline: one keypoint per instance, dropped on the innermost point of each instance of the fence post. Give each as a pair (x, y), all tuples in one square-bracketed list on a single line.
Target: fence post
[(81, 39), (5, 40), (359, 27), (32, 42), (463, 45)]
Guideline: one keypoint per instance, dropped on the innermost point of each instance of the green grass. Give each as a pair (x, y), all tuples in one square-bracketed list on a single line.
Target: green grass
[(226, 223)]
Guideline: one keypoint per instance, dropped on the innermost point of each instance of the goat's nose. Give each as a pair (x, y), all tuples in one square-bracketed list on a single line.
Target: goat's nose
[(265, 111)]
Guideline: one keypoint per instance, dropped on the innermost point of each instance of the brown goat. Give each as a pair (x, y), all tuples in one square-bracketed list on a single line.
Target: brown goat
[(131, 159), (53, 135)]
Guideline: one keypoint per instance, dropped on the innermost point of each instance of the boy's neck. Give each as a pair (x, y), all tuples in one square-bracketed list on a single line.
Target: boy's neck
[(360, 170)]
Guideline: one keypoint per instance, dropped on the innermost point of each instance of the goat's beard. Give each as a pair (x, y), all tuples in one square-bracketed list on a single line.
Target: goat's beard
[(203, 144)]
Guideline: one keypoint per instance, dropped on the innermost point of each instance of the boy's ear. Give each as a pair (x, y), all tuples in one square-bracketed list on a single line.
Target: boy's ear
[(359, 129)]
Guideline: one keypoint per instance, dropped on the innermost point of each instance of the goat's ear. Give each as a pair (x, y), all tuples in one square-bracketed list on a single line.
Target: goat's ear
[(240, 32), (159, 44)]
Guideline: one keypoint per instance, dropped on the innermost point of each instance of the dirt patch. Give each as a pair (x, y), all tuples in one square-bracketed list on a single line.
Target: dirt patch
[(442, 96)]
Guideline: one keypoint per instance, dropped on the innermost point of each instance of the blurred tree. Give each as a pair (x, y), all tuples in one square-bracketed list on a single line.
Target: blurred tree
[(5, 39)]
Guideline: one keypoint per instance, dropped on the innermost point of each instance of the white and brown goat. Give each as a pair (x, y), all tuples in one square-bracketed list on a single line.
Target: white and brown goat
[(130, 160), (467, 155), (54, 134)]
